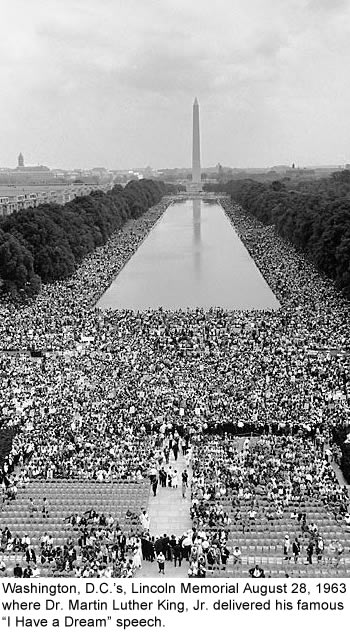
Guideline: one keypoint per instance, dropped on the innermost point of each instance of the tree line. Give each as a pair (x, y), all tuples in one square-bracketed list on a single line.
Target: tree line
[(314, 217), (44, 244)]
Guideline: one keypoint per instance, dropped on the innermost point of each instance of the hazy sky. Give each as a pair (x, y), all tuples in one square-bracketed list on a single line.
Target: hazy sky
[(111, 82)]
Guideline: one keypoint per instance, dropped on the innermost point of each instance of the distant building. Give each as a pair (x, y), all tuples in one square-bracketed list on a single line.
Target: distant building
[(27, 175), (14, 198), (34, 174), (300, 173)]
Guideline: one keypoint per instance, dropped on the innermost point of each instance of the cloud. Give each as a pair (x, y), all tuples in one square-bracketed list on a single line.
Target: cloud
[(113, 79), (327, 5)]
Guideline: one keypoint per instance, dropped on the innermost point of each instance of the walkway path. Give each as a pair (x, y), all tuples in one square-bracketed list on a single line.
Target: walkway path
[(339, 473), (340, 476), (168, 511)]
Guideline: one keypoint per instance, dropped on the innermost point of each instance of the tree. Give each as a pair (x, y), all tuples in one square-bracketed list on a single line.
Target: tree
[(314, 216), (16, 268), (46, 243)]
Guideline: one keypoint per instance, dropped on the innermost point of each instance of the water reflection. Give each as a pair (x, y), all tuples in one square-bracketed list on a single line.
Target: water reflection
[(196, 207), (196, 216), (191, 258)]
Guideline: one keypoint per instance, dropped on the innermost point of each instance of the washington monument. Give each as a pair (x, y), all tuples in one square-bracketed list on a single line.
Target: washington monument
[(196, 151)]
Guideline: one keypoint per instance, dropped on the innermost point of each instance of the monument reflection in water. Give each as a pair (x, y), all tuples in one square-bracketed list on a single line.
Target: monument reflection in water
[(191, 258), (196, 204)]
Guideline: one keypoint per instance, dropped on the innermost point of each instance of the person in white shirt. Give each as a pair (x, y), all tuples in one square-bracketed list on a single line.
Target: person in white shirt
[(237, 555), (145, 520), (175, 479), (286, 547), (161, 563)]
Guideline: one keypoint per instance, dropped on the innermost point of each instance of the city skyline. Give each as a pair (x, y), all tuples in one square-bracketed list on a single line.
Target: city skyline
[(110, 85), (188, 167)]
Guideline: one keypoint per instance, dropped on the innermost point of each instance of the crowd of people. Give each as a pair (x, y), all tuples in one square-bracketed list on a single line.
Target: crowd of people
[(286, 470), (91, 394), (265, 481), (96, 547), (194, 552)]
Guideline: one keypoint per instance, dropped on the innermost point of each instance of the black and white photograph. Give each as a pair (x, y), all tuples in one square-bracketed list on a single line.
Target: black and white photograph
[(174, 306)]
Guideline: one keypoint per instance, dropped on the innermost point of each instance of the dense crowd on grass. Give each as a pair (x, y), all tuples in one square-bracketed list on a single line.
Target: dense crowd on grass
[(320, 315), (61, 319), (94, 402)]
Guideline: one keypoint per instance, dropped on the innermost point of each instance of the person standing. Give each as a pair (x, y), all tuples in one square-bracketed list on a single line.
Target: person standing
[(309, 552), (296, 549), (225, 553), (188, 457), (286, 548), (161, 563), (184, 478), (137, 555), (166, 454), (166, 547), (186, 546), (145, 520), (154, 486), (177, 553), (153, 473), (332, 549), (175, 479), (32, 506), (25, 542), (45, 508), (172, 543), (339, 553), (237, 556), (319, 548), (158, 545), (30, 555)]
